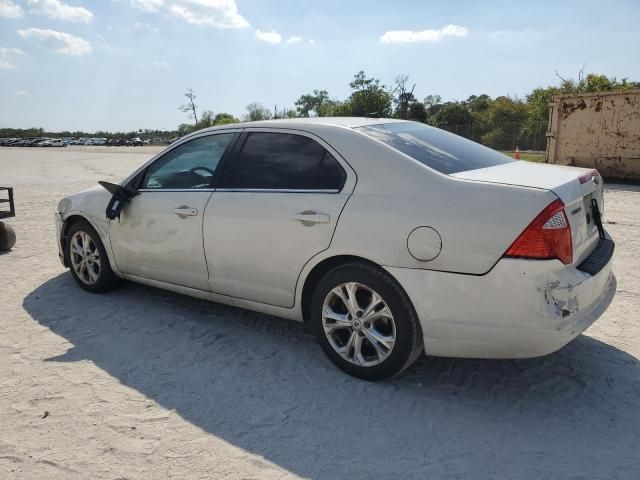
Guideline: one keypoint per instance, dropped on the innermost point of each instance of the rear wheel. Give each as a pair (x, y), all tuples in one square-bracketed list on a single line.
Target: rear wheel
[(365, 322), (88, 259)]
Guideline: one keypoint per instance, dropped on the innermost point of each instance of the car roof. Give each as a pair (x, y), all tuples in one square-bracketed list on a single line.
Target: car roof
[(309, 123)]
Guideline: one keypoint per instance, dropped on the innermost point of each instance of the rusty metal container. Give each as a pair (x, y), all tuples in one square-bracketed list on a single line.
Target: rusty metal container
[(596, 130)]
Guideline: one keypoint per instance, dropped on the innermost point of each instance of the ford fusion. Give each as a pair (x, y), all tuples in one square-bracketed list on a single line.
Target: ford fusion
[(390, 238)]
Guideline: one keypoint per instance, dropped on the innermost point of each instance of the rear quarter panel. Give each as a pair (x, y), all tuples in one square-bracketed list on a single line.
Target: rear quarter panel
[(395, 194)]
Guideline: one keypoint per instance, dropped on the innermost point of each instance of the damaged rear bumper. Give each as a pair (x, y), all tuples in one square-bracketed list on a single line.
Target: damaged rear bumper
[(521, 308)]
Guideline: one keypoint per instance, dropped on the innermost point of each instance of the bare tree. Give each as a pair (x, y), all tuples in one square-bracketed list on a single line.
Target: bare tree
[(403, 95), (190, 106)]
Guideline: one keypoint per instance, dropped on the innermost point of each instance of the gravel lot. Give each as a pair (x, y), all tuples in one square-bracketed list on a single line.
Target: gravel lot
[(144, 384)]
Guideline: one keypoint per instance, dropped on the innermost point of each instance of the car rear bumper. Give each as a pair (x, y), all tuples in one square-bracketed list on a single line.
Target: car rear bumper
[(521, 308)]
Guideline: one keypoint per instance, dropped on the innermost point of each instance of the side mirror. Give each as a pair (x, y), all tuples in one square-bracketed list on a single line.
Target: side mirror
[(120, 198)]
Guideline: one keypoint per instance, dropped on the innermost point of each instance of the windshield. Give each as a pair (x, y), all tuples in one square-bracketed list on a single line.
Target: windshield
[(435, 148)]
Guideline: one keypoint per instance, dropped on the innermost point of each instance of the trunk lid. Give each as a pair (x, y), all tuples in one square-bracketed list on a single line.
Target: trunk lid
[(576, 187)]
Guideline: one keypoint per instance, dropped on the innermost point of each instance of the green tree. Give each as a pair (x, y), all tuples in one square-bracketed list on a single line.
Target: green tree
[(452, 114), (506, 117), (369, 97), (478, 103), (313, 104), (255, 112), (207, 120), (224, 119), (432, 105), (417, 112), (594, 82)]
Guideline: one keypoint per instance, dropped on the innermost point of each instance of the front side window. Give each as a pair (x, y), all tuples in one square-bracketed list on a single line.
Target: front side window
[(282, 161), (191, 165), (435, 148)]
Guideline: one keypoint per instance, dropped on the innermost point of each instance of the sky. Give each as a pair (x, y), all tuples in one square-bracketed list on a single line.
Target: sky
[(122, 65)]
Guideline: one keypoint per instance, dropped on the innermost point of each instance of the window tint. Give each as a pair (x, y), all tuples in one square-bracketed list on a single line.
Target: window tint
[(284, 161), (190, 165), (440, 150)]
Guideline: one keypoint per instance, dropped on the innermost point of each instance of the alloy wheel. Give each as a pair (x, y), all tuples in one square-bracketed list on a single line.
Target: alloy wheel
[(358, 324), (85, 258)]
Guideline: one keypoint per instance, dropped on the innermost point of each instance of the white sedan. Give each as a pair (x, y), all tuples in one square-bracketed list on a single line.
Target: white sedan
[(391, 238)]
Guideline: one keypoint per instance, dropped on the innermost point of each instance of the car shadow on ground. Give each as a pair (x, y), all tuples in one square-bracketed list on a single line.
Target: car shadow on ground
[(263, 385)]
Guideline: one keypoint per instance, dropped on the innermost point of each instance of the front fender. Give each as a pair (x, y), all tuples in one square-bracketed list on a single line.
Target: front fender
[(91, 206)]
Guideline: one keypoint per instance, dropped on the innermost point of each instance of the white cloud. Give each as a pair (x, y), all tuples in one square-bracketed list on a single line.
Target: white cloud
[(411, 36), (59, 10), (211, 13), (161, 64), (271, 37), (21, 93), (103, 45), (10, 9), (5, 57), (59, 42), (294, 40), (312, 41), (525, 35), (145, 26), (148, 5)]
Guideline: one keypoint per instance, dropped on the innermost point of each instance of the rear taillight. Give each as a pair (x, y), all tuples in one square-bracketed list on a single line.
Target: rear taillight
[(548, 236), (588, 176)]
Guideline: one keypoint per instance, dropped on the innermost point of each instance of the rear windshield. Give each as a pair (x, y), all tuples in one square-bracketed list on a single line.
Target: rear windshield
[(440, 150)]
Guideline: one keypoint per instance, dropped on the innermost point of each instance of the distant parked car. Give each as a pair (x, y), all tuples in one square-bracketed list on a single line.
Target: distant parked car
[(136, 142), (37, 142), (53, 142), (389, 237)]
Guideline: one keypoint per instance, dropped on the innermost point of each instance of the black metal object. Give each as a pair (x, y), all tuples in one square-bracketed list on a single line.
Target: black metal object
[(11, 212), (599, 257), (597, 217), (120, 197)]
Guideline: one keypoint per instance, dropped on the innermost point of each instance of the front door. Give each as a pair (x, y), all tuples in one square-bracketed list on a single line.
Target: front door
[(276, 206), (159, 234)]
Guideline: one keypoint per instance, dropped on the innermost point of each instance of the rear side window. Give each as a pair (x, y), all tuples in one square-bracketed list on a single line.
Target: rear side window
[(282, 161), (435, 148)]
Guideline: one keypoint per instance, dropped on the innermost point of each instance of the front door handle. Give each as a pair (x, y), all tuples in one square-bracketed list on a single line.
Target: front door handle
[(310, 217), (185, 211)]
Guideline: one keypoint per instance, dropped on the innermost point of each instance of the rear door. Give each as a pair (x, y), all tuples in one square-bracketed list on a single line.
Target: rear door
[(276, 207)]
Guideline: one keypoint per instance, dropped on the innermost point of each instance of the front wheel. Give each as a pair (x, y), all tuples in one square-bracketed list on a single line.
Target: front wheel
[(365, 322), (88, 259)]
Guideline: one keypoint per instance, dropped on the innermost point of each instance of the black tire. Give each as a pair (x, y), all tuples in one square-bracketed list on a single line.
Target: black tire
[(7, 237), (408, 343), (106, 279)]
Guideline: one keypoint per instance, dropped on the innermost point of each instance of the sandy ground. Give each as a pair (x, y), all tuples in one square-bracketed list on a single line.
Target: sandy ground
[(144, 384)]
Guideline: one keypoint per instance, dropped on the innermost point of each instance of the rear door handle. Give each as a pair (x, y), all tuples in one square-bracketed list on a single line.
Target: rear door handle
[(309, 217), (185, 211)]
